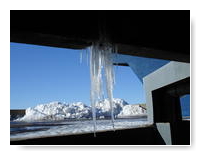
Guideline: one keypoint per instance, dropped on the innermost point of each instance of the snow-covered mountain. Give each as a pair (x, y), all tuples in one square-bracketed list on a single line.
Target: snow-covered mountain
[(103, 107), (78, 110), (131, 110)]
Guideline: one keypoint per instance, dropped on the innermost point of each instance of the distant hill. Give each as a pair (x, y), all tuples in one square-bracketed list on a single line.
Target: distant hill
[(78, 110)]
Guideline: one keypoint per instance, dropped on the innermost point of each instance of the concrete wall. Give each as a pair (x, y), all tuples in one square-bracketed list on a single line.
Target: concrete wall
[(168, 74)]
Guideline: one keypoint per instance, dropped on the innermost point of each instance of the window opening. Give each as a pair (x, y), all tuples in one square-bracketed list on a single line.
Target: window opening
[(185, 106), (50, 94)]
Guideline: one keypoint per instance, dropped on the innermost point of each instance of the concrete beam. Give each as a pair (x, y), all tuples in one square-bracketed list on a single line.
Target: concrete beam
[(168, 74), (152, 53)]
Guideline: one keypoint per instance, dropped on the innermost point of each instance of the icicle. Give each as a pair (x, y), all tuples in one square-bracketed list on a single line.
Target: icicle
[(108, 66), (81, 56), (101, 57), (87, 56), (116, 58)]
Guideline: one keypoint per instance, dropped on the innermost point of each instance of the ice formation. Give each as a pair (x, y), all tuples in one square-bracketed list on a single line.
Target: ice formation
[(101, 60)]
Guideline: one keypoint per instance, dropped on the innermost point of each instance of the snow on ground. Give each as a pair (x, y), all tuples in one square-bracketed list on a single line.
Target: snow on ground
[(67, 113), (77, 127), (61, 111)]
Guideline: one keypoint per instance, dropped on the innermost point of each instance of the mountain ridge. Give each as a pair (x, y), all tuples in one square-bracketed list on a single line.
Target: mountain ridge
[(59, 111)]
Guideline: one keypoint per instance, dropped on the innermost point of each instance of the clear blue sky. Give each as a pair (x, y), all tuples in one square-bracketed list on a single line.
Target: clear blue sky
[(41, 74)]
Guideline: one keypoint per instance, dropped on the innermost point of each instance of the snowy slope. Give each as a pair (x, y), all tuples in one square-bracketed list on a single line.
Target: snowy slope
[(57, 111), (103, 107), (131, 109), (78, 110)]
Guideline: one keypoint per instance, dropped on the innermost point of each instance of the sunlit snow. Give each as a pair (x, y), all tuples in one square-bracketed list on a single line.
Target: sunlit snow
[(78, 110)]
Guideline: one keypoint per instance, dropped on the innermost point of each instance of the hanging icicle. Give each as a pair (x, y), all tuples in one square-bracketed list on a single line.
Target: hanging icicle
[(81, 56), (101, 58)]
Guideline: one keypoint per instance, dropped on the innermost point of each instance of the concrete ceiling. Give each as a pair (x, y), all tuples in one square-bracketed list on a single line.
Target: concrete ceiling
[(154, 34)]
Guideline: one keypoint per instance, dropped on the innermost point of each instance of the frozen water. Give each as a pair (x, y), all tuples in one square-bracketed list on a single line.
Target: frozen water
[(81, 56), (101, 60)]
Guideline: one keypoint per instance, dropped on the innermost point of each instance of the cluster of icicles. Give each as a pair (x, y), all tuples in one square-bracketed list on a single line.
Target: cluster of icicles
[(101, 66)]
